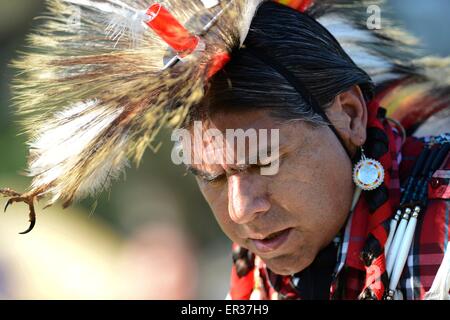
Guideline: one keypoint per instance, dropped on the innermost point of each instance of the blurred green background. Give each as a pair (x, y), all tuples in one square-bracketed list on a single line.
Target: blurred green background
[(152, 236)]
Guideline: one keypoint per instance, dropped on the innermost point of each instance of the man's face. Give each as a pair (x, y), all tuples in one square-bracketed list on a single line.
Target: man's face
[(286, 218)]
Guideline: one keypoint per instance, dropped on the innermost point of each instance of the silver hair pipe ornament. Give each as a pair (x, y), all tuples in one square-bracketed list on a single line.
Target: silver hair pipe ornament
[(403, 251), (392, 228), (411, 198), (419, 197), (396, 243)]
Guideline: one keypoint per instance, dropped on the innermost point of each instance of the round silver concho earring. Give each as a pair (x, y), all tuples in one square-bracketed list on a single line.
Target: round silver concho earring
[(368, 174)]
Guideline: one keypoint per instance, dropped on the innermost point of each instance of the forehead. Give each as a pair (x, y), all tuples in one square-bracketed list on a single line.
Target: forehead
[(249, 124), (262, 134)]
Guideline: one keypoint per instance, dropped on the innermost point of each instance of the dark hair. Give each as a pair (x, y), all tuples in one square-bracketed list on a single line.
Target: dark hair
[(299, 44)]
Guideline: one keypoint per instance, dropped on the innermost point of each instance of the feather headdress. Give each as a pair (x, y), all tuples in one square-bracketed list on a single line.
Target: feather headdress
[(105, 75), (97, 88)]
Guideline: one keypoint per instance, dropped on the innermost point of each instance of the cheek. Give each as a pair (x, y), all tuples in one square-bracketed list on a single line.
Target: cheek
[(316, 194)]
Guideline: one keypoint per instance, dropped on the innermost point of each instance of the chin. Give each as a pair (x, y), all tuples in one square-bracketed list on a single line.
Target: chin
[(288, 264)]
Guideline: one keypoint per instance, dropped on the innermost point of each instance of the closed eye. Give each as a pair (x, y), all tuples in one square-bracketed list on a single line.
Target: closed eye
[(271, 162), (261, 165), (212, 179), (206, 177)]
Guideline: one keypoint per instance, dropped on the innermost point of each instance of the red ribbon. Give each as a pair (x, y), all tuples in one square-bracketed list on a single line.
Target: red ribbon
[(171, 30), (217, 63), (300, 5)]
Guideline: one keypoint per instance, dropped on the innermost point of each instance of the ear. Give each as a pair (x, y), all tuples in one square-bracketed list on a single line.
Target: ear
[(348, 113)]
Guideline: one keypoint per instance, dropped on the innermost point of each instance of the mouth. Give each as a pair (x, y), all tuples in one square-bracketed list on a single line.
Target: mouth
[(272, 242)]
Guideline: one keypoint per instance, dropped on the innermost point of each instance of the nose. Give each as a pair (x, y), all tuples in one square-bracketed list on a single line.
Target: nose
[(247, 198)]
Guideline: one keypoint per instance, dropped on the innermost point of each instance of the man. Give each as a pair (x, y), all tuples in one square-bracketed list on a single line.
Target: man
[(324, 224), (283, 226)]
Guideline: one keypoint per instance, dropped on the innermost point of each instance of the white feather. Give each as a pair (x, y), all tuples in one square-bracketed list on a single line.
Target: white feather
[(59, 144), (101, 7), (247, 18), (210, 3), (120, 19), (353, 40), (110, 169)]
